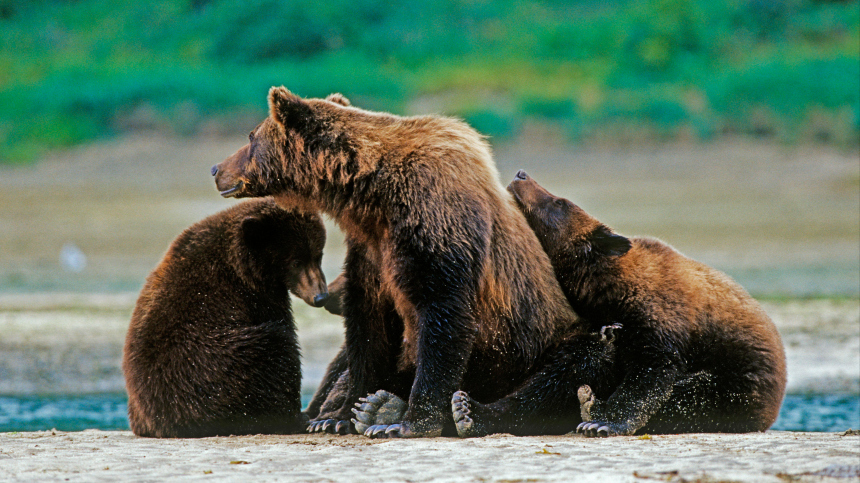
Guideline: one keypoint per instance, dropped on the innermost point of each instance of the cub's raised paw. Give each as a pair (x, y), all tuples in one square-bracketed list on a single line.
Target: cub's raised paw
[(587, 402), (607, 333), (375, 413), (464, 410)]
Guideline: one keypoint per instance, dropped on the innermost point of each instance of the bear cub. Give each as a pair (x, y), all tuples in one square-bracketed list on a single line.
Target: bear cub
[(695, 353), (212, 349)]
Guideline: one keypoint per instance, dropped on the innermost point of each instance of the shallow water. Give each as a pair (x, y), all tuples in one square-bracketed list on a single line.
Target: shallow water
[(108, 412)]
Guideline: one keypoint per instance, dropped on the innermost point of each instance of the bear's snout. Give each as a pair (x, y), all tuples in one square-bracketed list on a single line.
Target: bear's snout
[(229, 174), (309, 285), (320, 299), (521, 174)]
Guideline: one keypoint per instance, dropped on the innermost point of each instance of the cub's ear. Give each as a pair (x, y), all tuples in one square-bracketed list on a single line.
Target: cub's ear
[(246, 248), (338, 98), (254, 231), (609, 243), (288, 109)]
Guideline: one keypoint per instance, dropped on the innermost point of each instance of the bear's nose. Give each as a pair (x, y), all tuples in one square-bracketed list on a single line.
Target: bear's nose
[(521, 174), (214, 170), (320, 298)]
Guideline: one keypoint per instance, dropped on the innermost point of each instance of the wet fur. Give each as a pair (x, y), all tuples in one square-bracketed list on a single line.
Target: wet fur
[(696, 352), (211, 348), (444, 278)]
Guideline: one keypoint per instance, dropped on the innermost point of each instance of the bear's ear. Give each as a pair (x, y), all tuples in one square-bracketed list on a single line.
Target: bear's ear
[(288, 109), (254, 232), (338, 98), (609, 243)]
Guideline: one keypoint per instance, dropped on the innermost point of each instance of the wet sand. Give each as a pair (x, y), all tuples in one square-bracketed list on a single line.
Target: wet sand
[(94, 455)]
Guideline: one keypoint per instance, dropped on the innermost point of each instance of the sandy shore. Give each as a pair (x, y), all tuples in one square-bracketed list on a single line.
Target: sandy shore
[(120, 456)]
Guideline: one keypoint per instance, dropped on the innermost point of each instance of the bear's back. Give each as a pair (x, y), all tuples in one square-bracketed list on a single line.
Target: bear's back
[(202, 343), (715, 312)]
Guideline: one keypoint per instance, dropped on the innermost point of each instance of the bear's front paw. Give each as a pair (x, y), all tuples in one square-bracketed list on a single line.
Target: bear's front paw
[(334, 426), (603, 429), (405, 429), (596, 428), (376, 412)]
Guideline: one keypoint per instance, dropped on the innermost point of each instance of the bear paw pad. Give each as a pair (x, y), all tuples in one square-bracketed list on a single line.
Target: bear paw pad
[(376, 412)]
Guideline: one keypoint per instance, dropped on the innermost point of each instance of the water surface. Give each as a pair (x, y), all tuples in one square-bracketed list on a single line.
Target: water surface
[(109, 412)]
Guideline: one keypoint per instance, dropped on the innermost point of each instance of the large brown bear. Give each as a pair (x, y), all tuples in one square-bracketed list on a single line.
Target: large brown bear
[(445, 282), (694, 352), (212, 348)]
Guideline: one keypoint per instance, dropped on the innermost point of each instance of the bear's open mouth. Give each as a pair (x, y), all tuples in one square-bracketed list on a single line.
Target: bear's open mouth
[(235, 190)]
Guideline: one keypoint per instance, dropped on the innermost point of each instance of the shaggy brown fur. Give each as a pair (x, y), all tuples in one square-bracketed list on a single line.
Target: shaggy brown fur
[(211, 348), (695, 352), (443, 275)]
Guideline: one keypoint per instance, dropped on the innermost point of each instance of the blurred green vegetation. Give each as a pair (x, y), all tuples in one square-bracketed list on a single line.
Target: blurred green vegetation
[(74, 71)]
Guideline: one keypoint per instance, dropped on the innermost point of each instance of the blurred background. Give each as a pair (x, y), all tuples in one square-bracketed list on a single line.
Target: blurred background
[(728, 128)]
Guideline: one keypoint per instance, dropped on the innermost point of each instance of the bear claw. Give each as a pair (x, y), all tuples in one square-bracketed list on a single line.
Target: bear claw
[(329, 426), (393, 431), (592, 429), (342, 427)]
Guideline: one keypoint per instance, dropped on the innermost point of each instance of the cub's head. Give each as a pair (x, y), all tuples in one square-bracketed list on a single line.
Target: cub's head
[(284, 152), (564, 229), (276, 251)]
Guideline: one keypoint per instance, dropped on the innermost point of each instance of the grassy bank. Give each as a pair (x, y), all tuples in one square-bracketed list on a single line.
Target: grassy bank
[(71, 72)]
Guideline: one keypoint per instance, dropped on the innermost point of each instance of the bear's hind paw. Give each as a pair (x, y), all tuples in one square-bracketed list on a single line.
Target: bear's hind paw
[(463, 408), (376, 412)]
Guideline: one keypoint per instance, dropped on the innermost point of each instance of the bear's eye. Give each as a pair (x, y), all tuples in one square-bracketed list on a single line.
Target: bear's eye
[(559, 202)]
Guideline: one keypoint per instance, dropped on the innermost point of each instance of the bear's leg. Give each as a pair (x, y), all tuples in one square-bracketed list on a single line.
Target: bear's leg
[(642, 393), (439, 372), (374, 333), (336, 368), (335, 398), (694, 398), (438, 275), (546, 403), (705, 403)]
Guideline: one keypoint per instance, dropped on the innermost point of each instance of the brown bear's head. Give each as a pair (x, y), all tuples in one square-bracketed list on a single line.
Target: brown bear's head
[(278, 250), (287, 152), (562, 227)]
